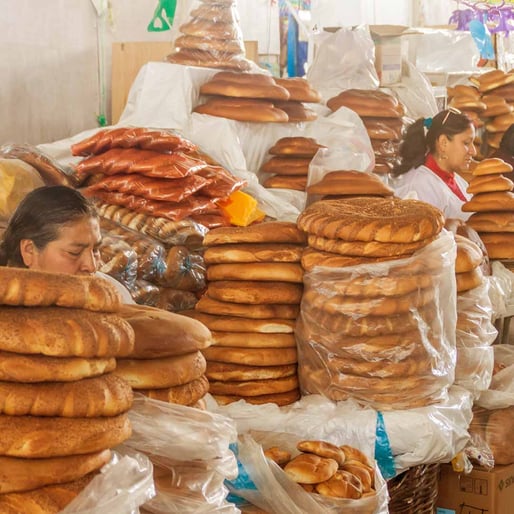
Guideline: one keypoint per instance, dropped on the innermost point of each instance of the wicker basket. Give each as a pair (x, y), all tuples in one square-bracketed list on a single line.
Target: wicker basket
[(414, 491)]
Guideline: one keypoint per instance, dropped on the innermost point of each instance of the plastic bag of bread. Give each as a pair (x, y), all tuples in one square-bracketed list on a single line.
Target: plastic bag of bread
[(144, 292), (175, 300), (150, 253), (185, 270), (269, 473), (17, 178), (119, 259), (190, 451), (381, 332)]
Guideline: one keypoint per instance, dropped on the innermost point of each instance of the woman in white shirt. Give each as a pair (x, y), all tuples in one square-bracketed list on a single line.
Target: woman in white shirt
[(432, 154)]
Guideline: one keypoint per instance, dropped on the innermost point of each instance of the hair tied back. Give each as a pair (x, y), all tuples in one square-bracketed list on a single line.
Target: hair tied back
[(427, 122)]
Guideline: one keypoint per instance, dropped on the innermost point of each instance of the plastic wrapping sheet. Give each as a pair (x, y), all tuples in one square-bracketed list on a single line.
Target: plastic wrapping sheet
[(119, 259), (383, 333), (265, 484), (190, 450), (500, 394), (17, 178), (332, 70), (474, 369), (121, 487), (502, 290)]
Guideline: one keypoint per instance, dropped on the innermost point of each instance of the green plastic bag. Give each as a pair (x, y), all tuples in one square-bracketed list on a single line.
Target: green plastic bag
[(163, 16)]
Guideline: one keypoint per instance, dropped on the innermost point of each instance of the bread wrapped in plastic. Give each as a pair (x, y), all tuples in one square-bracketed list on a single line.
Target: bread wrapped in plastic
[(119, 259), (175, 300), (17, 178), (144, 292), (185, 270)]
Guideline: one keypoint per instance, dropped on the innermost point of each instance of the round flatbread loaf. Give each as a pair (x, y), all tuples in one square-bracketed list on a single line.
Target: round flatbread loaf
[(236, 324), (489, 183), (40, 437), (21, 286), (227, 372), (17, 367), (295, 182), (486, 202), (185, 394), (255, 387), (59, 332), (265, 232), (248, 252), (469, 280), (308, 468), (242, 109), (296, 111), (300, 90), (385, 220), (160, 333), (253, 340), (279, 399), (106, 395), (252, 356), (296, 146), (349, 182), (287, 166), (469, 255), (265, 271), (254, 292), (492, 221), (243, 310), (312, 258), (26, 474)]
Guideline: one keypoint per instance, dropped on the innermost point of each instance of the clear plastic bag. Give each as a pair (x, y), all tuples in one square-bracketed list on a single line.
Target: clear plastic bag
[(500, 394), (185, 270), (144, 292), (175, 300), (119, 259)]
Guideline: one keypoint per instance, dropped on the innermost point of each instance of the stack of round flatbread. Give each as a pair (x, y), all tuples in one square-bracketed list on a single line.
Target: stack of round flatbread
[(61, 407), (251, 303), (288, 166), (166, 363), (368, 301), (492, 205)]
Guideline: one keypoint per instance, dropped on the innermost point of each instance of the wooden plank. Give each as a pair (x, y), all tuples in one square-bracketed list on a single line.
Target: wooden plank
[(127, 59)]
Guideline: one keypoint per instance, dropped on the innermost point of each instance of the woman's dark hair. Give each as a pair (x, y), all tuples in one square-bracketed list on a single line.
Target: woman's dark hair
[(39, 216), (507, 141), (416, 144)]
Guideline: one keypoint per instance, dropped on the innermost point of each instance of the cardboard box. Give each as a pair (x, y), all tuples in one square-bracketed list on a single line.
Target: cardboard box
[(479, 492)]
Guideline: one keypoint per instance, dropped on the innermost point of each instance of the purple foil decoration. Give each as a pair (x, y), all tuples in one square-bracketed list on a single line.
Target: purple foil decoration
[(497, 18)]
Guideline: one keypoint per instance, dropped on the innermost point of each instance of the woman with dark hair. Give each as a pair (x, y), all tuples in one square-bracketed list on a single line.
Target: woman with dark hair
[(55, 229), (432, 154)]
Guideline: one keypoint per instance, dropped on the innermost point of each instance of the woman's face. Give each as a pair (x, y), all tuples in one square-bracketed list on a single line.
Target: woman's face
[(459, 151), (75, 251)]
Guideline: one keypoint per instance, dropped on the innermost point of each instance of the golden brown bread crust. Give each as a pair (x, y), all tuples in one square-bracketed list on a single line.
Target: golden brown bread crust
[(349, 182), (253, 252), (278, 455), (249, 388), (228, 46), (254, 292), (252, 356), (489, 183), (237, 324), (185, 394), (491, 80), (265, 271), (354, 454), (312, 258), (253, 340), (296, 146), (160, 333), (500, 123), (492, 221), (386, 220), (342, 484), (210, 28), (279, 399), (385, 129), (25, 474), (17, 367), (366, 102), (20, 286), (161, 373), (56, 331), (287, 166), (209, 58), (499, 426), (294, 182), (499, 244), (323, 449), (491, 166), (247, 310), (242, 109), (230, 372), (40, 437), (469, 255), (308, 468), (483, 202), (299, 89), (266, 232), (296, 111), (106, 395)]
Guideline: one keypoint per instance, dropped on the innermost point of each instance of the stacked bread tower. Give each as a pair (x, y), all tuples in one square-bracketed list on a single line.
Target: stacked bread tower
[(493, 206), (166, 363), (382, 115), (289, 165), (250, 305), (61, 408), (362, 329), (256, 97), (211, 38)]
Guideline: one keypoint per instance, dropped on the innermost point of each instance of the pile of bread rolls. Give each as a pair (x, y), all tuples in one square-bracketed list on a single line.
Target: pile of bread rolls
[(211, 38), (61, 407), (324, 468), (288, 166), (166, 362), (256, 97), (492, 205), (383, 117), (361, 328), (254, 289)]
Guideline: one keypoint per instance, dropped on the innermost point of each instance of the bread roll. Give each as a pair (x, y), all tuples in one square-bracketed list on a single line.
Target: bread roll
[(287, 166), (495, 106), (279, 399), (354, 454), (349, 182), (106, 395), (323, 449), (252, 356), (492, 221), (386, 129), (161, 373), (249, 252), (17, 367), (265, 271), (490, 183), (55, 331), (21, 286), (236, 324), (242, 109), (468, 104), (499, 244), (500, 123), (255, 292), (361, 473), (469, 255), (368, 103), (26, 474), (308, 468), (491, 80), (266, 232), (296, 146), (497, 201), (41, 437), (491, 166), (185, 394), (294, 182), (341, 485), (463, 90), (296, 111), (276, 454), (253, 340), (230, 372), (159, 333), (247, 310), (299, 89), (387, 220)]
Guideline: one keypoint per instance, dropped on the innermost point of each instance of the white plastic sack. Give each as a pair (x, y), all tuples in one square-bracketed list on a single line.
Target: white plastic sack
[(500, 394)]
